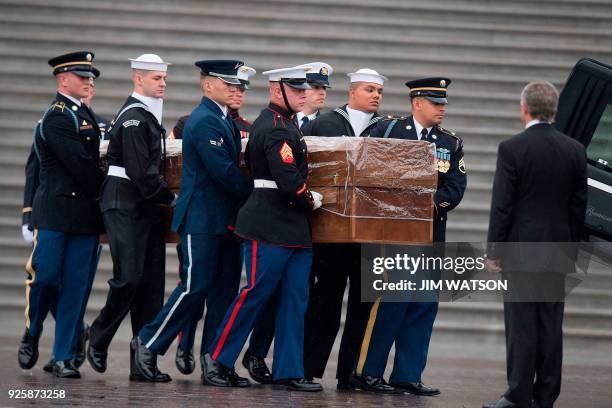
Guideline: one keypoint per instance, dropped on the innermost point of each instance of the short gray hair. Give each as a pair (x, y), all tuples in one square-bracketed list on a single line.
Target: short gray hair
[(541, 99)]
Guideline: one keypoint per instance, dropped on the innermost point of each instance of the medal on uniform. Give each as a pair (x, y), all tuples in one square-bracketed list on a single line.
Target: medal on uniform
[(443, 159)]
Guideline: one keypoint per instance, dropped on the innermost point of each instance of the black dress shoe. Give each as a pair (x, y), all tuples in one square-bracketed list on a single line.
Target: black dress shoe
[(137, 376), (184, 361), (300, 384), (372, 384), (97, 359), (417, 388), (217, 375), (48, 368), (257, 368), (28, 351), (143, 360), (65, 369), (502, 403), (81, 347), (160, 377)]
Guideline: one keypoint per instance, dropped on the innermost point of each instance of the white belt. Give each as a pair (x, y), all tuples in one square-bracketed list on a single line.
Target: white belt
[(117, 172), (261, 183)]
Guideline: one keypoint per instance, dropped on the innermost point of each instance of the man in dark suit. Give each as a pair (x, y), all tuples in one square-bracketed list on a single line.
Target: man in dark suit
[(65, 215), (539, 196), (130, 201), (212, 189)]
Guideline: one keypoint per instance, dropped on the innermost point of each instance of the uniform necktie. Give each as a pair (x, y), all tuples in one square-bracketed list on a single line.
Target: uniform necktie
[(424, 134), (305, 120)]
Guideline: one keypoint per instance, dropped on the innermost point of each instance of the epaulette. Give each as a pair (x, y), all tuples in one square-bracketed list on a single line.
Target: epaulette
[(59, 106), (393, 117), (447, 132)]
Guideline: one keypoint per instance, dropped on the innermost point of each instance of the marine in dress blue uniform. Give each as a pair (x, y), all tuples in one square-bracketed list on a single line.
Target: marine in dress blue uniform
[(278, 242), (65, 215), (409, 324), (212, 189), (261, 338)]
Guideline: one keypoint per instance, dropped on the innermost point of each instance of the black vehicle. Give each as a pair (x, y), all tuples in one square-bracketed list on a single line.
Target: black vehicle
[(585, 114)]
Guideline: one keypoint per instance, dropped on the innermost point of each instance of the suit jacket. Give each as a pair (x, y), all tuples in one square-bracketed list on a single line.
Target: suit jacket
[(452, 175), (539, 195), (212, 185), (336, 123), (68, 143)]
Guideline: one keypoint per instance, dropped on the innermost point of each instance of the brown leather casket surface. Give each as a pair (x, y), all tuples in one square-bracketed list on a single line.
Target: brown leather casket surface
[(374, 190)]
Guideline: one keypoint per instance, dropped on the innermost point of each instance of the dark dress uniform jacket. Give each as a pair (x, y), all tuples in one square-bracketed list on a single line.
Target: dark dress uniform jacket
[(336, 123), (32, 171), (539, 193), (212, 186), (452, 179), (276, 151), (70, 176), (135, 145)]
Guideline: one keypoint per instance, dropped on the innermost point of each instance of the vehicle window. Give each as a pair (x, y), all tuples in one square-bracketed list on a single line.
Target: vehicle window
[(599, 151)]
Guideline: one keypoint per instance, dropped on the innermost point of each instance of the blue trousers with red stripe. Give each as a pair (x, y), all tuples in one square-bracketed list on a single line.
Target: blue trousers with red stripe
[(62, 270), (268, 268), (211, 272)]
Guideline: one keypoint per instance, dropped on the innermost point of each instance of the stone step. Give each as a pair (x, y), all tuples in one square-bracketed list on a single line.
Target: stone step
[(573, 15), (284, 54), (190, 33), (218, 14), (508, 52)]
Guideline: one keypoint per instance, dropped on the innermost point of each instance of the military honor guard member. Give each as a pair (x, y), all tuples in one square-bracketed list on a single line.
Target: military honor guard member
[(334, 264), (539, 195), (318, 79), (184, 359), (130, 202), (276, 230), (244, 126), (103, 123), (212, 190), (409, 324), (32, 172), (261, 338), (65, 215)]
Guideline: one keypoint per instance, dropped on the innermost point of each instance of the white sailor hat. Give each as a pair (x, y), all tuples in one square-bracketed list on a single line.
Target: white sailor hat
[(244, 73), (295, 77), (149, 62), (367, 75), (318, 74)]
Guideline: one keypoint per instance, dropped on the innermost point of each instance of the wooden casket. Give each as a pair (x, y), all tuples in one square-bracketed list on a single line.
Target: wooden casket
[(374, 190)]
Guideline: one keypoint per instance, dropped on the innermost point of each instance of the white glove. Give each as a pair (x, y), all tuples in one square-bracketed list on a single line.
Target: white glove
[(317, 199), (28, 236), (173, 203)]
